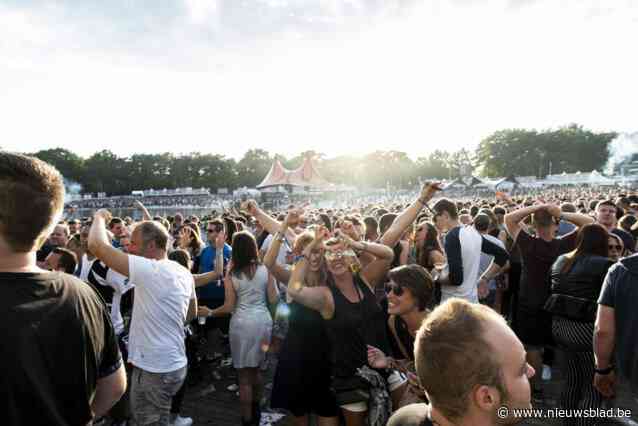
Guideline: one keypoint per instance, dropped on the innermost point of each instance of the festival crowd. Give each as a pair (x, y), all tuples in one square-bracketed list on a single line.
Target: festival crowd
[(437, 311)]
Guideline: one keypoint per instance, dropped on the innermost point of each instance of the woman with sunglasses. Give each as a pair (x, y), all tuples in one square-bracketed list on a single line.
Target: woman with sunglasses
[(352, 317), (410, 292), (577, 278), (302, 379)]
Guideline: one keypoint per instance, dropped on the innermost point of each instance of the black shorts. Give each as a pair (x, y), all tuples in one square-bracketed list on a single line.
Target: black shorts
[(533, 326)]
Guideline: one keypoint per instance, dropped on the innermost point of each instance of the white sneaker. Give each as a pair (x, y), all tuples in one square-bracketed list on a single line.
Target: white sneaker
[(182, 421)]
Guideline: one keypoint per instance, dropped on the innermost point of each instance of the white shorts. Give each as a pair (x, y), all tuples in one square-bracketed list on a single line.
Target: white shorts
[(395, 380)]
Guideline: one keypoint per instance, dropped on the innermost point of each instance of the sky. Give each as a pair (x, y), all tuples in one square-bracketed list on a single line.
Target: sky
[(335, 76)]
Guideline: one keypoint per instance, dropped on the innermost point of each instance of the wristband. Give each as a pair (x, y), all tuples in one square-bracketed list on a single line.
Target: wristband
[(605, 371)]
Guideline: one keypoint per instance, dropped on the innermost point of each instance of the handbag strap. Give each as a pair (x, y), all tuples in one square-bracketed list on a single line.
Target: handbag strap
[(393, 328)]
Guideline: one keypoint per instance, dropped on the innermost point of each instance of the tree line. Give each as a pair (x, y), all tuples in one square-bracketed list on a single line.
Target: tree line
[(511, 151)]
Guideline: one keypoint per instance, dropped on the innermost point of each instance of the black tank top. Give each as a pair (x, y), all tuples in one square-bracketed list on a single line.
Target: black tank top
[(353, 326), (406, 338)]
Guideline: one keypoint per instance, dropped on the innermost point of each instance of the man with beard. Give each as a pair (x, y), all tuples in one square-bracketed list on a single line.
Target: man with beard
[(471, 365)]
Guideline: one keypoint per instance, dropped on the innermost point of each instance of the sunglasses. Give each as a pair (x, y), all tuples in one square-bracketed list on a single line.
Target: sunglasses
[(333, 255), (214, 230), (614, 247), (394, 288)]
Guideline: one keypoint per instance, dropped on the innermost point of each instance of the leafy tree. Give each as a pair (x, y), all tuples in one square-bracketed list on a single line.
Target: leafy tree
[(253, 166), (69, 164), (528, 152)]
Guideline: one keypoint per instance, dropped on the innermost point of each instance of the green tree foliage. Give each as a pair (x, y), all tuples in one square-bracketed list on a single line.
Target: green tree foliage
[(518, 152), (69, 164), (531, 153)]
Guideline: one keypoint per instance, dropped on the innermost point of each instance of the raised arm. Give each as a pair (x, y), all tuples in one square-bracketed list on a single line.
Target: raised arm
[(270, 259), (577, 219), (203, 279), (513, 219), (374, 271), (405, 219), (145, 214), (316, 298), (100, 245), (269, 223)]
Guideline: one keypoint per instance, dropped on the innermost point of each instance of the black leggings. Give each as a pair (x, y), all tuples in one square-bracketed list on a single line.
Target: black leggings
[(576, 338)]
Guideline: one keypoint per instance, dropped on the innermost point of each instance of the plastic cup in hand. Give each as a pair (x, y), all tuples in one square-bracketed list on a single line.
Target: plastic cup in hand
[(201, 320)]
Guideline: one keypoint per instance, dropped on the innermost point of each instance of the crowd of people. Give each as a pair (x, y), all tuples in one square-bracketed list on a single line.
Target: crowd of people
[(125, 201), (433, 311)]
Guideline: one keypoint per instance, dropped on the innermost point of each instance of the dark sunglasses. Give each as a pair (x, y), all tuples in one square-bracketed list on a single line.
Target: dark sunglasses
[(393, 288), (612, 247), (217, 229)]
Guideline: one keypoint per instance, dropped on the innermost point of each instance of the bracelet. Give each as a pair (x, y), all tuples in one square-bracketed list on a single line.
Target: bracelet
[(423, 202), (279, 237), (605, 371)]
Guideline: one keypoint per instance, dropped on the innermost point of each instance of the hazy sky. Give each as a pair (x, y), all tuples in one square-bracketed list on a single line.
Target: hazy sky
[(336, 76)]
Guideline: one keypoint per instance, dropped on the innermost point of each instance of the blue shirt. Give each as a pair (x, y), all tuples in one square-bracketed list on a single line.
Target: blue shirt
[(215, 289)]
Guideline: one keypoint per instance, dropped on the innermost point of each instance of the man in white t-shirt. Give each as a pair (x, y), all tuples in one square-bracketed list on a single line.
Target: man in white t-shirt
[(164, 302)]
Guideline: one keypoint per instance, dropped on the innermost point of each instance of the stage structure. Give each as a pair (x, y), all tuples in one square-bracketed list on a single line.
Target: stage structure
[(305, 178)]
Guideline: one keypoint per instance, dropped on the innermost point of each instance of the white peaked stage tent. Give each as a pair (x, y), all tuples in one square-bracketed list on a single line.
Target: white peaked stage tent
[(306, 176)]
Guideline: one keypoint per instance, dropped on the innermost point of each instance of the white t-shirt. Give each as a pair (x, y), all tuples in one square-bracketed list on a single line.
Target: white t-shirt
[(163, 290), (471, 242)]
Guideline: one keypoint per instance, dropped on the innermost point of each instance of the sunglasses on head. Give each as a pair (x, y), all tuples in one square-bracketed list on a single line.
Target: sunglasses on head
[(394, 288), (332, 255)]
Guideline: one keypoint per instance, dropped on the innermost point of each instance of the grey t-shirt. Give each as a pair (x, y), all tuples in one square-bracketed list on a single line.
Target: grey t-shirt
[(620, 292)]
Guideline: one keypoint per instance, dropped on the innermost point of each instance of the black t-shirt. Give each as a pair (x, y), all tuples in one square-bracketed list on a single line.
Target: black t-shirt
[(620, 292), (537, 257), (57, 341)]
